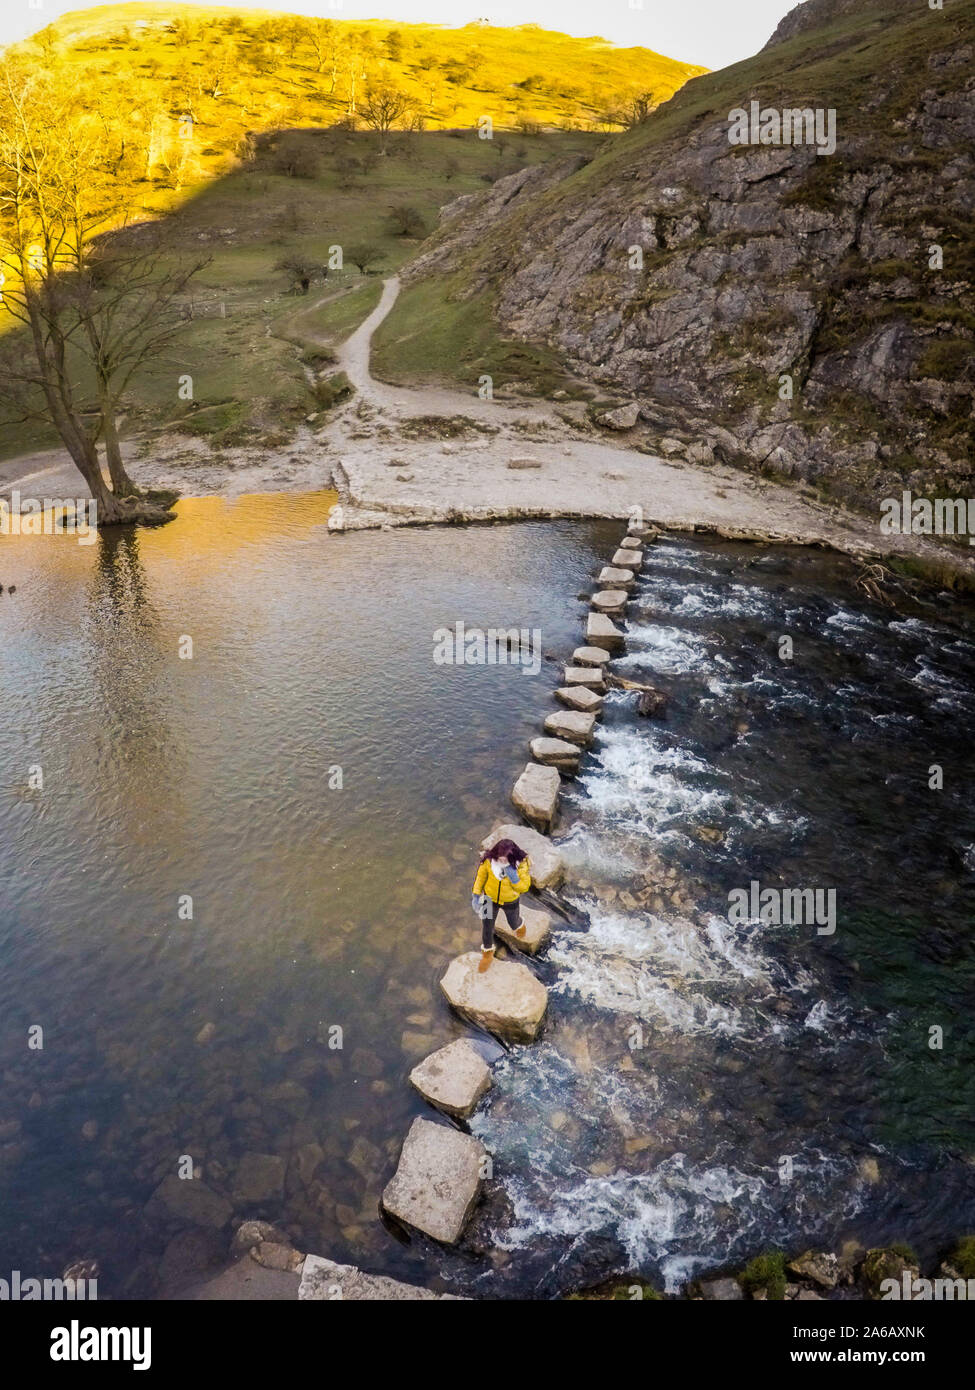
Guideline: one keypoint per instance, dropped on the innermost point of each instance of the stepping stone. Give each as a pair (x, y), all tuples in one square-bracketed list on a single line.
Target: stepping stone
[(580, 697), (631, 543), (438, 1180), (573, 725), (610, 601), (454, 1078), (628, 559), (590, 656), (584, 676), (506, 999), (555, 752), (545, 860), (615, 578), (325, 1281), (538, 930), (602, 632), (536, 795)]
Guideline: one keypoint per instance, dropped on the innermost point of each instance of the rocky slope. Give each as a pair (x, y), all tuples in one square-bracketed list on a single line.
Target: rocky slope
[(763, 262)]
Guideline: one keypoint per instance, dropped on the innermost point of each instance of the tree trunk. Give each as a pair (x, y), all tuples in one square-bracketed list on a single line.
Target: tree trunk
[(122, 484)]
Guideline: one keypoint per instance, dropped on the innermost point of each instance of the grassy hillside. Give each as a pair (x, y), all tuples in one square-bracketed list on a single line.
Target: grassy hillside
[(243, 134), (757, 261)]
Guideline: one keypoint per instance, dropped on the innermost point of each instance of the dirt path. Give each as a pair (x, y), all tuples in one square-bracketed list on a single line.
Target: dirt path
[(513, 459)]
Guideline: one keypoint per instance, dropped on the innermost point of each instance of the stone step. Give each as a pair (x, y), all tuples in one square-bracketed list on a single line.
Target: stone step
[(616, 578), (587, 677), (556, 752), (580, 697), (536, 795), (612, 601), (544, 859), (454, 1078), (506, 999), (590, 656), (602, 632), (574, 725), (325, 1281), (627, 559), (631, 543), (438, 1180), (538, 930)]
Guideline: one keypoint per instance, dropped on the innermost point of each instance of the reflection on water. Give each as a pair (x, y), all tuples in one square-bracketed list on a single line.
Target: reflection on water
[(236, 853)]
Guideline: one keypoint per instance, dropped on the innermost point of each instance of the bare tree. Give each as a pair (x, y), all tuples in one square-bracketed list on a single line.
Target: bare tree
[(383, 106), (92, 303)]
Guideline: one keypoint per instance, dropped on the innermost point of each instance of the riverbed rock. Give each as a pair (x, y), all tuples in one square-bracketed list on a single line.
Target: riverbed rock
[(538, 930), (507, 999), (524, 462), (573, 725), (260, 1178), (192, 1201), (615, 578), (546, 862), (325, 1281), (250, 1234), (612, 601), (580, 697), (589, 676), (590, 656), (454, 1078), (627, 559), (438, 1180), (536, 795), (556, 752), (603, 632)]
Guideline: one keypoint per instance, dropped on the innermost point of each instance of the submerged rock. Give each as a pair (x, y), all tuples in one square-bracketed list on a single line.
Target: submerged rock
[(506, 999), (190, 1200), (544, 859), (454, 1078), (536, 795), (437, 1182), (260, 1178)]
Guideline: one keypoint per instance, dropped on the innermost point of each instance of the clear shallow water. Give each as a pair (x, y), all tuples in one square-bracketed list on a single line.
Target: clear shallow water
[(315, 906), (312, 907), (709, 1089)]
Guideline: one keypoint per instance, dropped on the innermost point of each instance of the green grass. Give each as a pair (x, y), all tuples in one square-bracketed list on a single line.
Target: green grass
[(434, 336), (250, 220)]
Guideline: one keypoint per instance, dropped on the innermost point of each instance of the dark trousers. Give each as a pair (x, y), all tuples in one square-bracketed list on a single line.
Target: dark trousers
[(512, 912)]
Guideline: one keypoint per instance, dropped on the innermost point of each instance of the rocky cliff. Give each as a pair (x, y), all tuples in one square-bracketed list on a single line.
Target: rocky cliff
[(807, 313)]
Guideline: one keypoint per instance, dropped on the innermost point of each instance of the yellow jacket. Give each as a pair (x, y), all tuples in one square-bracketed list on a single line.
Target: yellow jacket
[(504, 891)]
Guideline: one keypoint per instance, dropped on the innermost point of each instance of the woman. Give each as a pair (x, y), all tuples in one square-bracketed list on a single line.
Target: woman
[(503, 875)]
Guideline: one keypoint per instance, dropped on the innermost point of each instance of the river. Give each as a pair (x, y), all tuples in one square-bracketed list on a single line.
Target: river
[(309, 786)]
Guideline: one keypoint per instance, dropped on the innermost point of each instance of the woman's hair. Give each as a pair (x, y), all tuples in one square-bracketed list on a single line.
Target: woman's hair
[(505, 849)]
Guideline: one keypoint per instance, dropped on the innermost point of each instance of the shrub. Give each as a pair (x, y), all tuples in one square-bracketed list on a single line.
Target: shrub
[(765, 1272)]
